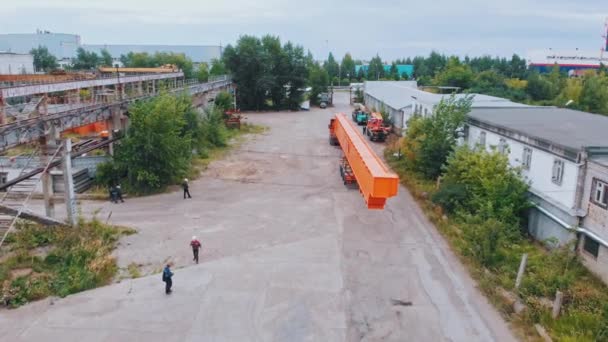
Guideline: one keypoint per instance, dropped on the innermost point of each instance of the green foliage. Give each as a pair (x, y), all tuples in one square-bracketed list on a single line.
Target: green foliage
[(157, 148), (223, 101), (145, 60), (43, 60), (78, 259), (85, 60), (450, 196), (266, 73), (106, 58), (455, 74), (332, 67), (218, 68), (429, 140), (492, 189), (375, 69), (539, 88), (319, 83), (594, 95), (202, 73), (348, 67), (212, 128)]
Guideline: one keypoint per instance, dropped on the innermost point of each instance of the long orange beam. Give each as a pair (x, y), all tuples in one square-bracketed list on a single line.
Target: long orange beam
[(376, 181)]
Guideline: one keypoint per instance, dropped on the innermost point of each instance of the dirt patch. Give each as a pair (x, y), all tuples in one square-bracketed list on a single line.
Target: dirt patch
[(20, 272), (238, 170)]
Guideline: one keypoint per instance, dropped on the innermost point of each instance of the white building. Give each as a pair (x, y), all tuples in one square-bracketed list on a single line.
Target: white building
[(14, 64), (392, 96), (563, 155), (402, 100)]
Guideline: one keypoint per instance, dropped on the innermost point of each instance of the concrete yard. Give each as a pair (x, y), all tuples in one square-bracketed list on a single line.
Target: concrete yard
[(289, 254)]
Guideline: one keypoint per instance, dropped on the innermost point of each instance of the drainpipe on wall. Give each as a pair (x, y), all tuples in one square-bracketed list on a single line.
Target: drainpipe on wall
[(571, 228), (580, 183)]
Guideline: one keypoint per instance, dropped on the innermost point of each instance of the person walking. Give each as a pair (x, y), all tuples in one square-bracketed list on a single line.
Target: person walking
[(119, 194), (196, 245), (167, 275), (113, 194), (186, 187)]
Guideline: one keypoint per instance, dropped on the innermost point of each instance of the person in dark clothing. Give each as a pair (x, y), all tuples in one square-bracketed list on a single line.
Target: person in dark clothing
[(196, 245), (119, 194), (167, 275), (113, 194), (186, 188)]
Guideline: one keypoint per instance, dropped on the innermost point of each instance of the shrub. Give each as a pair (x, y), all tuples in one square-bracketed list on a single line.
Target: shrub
[(450, 197)]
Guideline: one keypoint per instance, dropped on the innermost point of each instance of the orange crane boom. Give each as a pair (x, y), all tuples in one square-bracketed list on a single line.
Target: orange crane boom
[(376, 181)]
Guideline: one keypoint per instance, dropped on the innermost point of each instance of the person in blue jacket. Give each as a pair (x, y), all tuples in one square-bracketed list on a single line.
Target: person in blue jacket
[(167, 274)]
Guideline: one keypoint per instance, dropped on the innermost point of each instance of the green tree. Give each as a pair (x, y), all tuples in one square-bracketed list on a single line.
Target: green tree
[(43, 60), (539, 88), (331, 66), (348, 67), (492, 189), (106, 58), (455, 74), (319, 81), (218, 68), (223, 101), (156, 150), (429, 140), (202, 74), (394, 72), (489, 82), (375, 70), (594, 95), (85, 60)]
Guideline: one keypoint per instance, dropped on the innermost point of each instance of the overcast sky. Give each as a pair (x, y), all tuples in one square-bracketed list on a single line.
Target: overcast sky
[(391, 28)]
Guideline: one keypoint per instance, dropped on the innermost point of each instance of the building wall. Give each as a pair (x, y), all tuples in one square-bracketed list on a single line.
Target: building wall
[(14, 64), (59, 44), (540, 173), (598, 265), (395, 114), (596, 218)]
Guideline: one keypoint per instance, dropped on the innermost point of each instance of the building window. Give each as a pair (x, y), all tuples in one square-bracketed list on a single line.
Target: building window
[(558, 171), (599, 193), (527, 158), (482, 139), (502, 146), (591, 246)]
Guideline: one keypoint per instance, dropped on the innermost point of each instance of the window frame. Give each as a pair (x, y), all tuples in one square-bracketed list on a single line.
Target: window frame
[(595, 191), (503, 146), (526, 159), (482, 139), (558, 177), (591, 247)]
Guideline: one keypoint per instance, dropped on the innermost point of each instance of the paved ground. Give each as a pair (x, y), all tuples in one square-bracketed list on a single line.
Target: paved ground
[(289, 254)]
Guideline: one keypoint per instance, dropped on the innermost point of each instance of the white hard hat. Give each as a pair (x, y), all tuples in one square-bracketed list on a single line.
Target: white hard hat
[(194, 238)]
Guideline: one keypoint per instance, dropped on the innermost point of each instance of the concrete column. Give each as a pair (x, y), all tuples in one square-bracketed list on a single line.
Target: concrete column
[(140, 90), (2, 117), (48, 143), (43, 108), (153, 86), (70, 197)]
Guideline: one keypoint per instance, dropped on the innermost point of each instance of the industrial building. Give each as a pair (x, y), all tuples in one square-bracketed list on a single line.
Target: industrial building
[(15, 63), (563, 155), (64, 47), (403, 99), (407, 69)]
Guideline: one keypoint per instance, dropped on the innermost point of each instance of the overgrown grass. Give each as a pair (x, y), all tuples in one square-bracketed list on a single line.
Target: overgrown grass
[(58, 261), (584, 315)]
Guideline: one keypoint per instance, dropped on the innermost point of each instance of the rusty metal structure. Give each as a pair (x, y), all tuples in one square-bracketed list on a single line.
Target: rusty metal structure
[(32, 110)]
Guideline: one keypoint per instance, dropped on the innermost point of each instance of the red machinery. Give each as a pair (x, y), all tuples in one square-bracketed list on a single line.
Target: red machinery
[(375, 130), (360, 164), (232, 118)]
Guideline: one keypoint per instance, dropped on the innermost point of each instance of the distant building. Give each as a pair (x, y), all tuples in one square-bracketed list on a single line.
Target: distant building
[(197, 53), (407, 69), (14, 64), (64, 47), (563, 154)]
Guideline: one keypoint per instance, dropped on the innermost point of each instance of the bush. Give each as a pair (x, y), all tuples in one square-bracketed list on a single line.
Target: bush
[(450, 197), (79, 259)]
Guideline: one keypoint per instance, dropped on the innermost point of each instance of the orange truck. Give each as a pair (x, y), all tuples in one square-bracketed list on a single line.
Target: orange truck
[(361, 165), (375, 129)]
